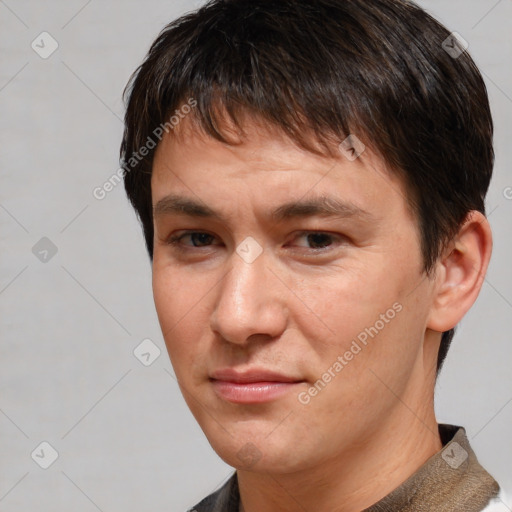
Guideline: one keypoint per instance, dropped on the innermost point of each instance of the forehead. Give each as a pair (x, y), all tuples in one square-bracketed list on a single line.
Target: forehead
[(263, 162)]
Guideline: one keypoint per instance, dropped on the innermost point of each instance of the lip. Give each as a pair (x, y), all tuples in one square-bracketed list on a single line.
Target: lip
[(252, 386)]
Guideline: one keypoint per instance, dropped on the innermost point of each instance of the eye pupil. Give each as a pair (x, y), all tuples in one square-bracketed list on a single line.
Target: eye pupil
[(317, 240), (199, 239)]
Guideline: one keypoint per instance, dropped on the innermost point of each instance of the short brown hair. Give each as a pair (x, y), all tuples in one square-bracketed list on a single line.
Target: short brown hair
[(380, 69)]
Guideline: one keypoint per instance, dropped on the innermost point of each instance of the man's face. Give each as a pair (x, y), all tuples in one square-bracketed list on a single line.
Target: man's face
[(290, 293)]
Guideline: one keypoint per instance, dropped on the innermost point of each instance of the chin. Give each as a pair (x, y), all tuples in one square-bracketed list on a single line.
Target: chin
[(257, 452)]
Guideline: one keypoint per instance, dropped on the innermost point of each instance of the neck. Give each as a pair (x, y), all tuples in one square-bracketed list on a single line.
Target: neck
[(357, 478)]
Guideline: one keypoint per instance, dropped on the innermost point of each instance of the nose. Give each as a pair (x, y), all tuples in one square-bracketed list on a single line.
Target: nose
[(250, 303)]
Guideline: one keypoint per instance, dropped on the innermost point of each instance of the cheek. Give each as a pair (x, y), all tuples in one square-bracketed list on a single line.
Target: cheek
[(334, 309), (168, 296), (179, 294), (180, 305), (371, 320)]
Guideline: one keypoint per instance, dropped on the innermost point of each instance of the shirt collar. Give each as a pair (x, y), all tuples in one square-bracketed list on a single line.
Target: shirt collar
[(451, 480)]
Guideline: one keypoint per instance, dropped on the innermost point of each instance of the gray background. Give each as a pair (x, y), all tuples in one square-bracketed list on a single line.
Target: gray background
[(69, 325)]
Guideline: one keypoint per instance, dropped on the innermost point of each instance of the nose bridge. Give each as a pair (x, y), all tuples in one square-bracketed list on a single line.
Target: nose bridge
[(248, 301)]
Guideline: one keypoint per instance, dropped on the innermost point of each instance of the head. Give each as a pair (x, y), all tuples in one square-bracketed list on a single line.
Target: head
[(310, 177)]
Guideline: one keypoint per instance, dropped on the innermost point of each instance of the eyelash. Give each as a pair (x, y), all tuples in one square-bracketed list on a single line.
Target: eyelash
[(176, 240)]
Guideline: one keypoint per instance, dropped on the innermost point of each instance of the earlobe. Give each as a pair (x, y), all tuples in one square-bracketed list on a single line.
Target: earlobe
[(460, 272)]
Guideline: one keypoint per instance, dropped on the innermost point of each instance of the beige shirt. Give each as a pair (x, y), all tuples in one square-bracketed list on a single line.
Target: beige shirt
[(452, 480)]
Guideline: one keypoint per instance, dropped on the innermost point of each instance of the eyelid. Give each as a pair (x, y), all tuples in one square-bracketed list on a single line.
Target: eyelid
[(335, 236), (337, 239), (175, 238)]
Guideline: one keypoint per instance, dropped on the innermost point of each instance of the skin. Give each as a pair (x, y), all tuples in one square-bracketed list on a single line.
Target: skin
[(298, 307)]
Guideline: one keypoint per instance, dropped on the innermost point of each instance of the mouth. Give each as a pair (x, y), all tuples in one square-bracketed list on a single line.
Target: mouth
[(252, 386)]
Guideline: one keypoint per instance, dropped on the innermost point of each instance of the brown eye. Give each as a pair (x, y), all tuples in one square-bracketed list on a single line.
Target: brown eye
[(200, 239), (192, 239), (319, 240), (316, 240)]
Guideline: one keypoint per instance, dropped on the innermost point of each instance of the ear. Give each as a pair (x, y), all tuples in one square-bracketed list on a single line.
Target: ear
[(460, 273)]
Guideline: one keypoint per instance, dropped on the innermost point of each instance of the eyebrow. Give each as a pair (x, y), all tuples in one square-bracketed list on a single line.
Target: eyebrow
[(326, 206), (180, 205)]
